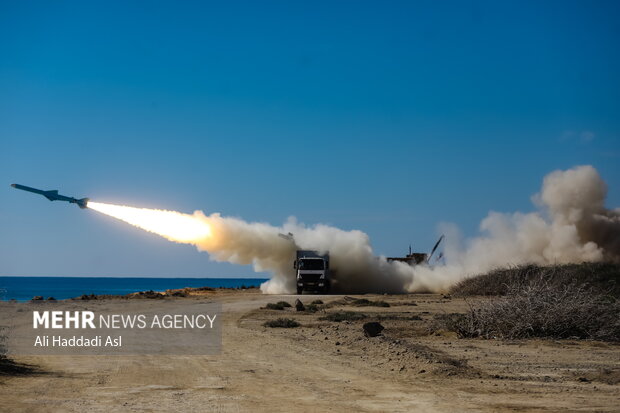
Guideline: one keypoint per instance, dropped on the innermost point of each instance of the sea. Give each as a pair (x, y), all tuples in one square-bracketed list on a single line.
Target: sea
[(60, 288)]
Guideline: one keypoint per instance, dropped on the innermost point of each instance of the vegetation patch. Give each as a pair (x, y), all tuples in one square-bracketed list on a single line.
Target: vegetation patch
[(281, 323), (9, 367), (363, 302), (604, 375), (601, 277), (280, 305), (397, 317), (541, 308), (311, 308), (339, 316)]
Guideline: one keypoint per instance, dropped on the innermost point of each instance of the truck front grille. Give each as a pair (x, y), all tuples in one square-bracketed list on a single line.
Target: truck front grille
[(311, 277)]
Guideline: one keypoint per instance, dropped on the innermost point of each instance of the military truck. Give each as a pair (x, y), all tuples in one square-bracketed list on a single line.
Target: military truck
[(312, 271)]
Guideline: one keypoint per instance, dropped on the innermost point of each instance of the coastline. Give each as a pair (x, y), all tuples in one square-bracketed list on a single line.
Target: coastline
[(23, 289)]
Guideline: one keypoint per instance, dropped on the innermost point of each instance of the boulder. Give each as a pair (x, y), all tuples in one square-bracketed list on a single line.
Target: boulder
[(372, 329), (299, 306)]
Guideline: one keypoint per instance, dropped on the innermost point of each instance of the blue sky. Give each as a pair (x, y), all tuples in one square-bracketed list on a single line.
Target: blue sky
[(386, 117)]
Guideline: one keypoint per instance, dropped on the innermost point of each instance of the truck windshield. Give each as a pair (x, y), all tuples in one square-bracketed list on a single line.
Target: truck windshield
[(312, 264)]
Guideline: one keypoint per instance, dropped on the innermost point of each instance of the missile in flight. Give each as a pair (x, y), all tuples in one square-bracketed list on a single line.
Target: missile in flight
[(53, 195)]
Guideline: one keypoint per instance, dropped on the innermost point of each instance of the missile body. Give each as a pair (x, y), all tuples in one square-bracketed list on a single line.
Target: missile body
[(53, 195)]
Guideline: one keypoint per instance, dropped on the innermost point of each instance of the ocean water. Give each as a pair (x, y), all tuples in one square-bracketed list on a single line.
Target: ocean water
[(24, 288)]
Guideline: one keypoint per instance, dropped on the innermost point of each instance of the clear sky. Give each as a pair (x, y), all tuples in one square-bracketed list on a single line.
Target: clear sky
[(388, 117)]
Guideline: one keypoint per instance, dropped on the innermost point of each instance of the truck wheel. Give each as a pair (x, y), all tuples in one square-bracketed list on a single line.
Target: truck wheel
[(299, 290)]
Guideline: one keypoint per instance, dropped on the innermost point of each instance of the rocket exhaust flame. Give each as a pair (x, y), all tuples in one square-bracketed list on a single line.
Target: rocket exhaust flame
[(571, 225), (175, 226)]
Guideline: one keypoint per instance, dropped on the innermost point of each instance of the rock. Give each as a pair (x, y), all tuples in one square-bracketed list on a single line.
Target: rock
[(204, 289), (37, 298), (150, 294), (372, 329), (299, 306), (51, 299), (88, 297)]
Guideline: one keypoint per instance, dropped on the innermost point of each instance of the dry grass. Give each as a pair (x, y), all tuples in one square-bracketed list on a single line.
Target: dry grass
[(603, 277), (283, 304), (280, 305), (311, 308), (9, 367), (542, 309), (281, 323), (363, 302), (562, 301), (339, 316)]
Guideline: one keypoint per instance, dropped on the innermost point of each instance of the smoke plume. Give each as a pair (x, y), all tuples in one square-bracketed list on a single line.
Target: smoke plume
[(571, 224)]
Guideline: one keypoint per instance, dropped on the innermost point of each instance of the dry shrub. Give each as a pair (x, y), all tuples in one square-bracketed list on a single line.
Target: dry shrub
[(343, 316), (363, 302), (381, 317), (311, 308), (541, 308), (280, 305), (604, 375), (603, 277), (10, 367), (281, 323)]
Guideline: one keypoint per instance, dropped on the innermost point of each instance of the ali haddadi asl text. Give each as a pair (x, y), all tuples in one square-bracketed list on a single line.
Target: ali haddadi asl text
[(78, 341)]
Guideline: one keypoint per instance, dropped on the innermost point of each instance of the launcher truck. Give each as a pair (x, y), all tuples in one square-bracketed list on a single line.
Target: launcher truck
[(312, 271)]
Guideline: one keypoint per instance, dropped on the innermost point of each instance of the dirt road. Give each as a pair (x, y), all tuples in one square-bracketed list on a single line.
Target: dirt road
[(330, 366)]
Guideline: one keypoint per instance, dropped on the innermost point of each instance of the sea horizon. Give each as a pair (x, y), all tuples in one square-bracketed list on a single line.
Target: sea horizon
[(24, 288), (123, 276)]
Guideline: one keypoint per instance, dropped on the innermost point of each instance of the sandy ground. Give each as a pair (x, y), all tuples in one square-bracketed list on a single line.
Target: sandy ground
[(332, 367)]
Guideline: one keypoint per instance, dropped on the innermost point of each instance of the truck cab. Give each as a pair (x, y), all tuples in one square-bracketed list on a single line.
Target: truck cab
[(311, 271)]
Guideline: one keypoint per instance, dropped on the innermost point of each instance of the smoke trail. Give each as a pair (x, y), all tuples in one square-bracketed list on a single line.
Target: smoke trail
[(571, 225)]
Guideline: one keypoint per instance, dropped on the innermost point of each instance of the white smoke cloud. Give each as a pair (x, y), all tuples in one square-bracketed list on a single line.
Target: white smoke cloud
[(571, 225)]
